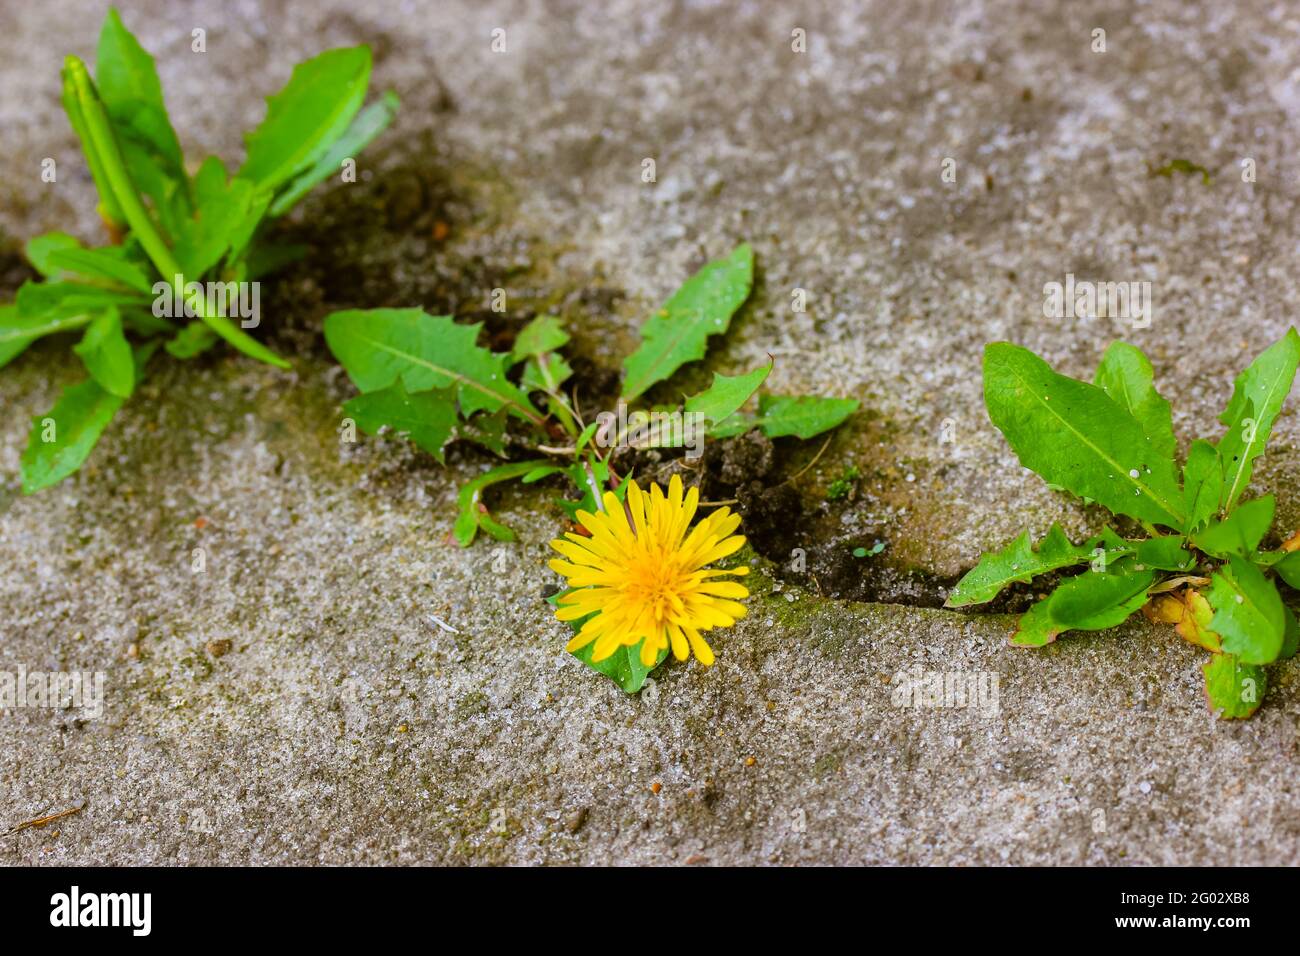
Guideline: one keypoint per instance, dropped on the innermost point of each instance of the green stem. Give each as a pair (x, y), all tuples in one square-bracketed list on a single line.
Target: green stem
[(137, 216), (562, 413)]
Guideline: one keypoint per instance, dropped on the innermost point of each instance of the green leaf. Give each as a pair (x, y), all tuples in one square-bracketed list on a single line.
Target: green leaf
[(1288, 568), (1126, 376), (585, 436), (678, 332), (195, 339), (369, 123), (1234, 688), (1018, 562), (1257, 397), (1240, 533), (473, 515), (1291, 637), (39, 248), (128, 86), (305, 118), (1164, 552), (73, 427), (1074, 435), (69, 300), (1090, 601), (802, 416), (429, 417), (727, 394), (1248, 613), (380, 346), (107, 355), (221, 211), (17, 331), (545, 373), (108, 264), (488, 430), (543, 334), (589, 477), (540, 472), (623, 667), (1202, 484), (75, 76)]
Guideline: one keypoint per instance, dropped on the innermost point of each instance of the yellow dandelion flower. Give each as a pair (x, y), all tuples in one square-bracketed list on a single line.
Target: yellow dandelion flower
[(644, 577)]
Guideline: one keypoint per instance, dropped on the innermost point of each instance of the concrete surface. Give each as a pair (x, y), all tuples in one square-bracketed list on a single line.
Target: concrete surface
[(343, 725)]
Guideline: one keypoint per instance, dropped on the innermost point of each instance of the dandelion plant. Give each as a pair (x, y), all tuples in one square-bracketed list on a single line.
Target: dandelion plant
[(427, 376), (1189, 553), (189, 239)]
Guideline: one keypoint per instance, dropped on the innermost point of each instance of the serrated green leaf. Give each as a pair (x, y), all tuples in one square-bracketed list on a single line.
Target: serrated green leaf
[(545, 333), (1126, 376), (305, 118), (1090, 601), (428, 418), (1234, 688), (1248, 613), (1257, 397), (379, 346), (368, 124), (473, 515), (106, 354), (1240, 533), (727, 394), (106, 264), (39, 248), (678, 332), (487, 430), (195, 339), (1202, 484), (803, 416), (1018, 562), (1075, 435)]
